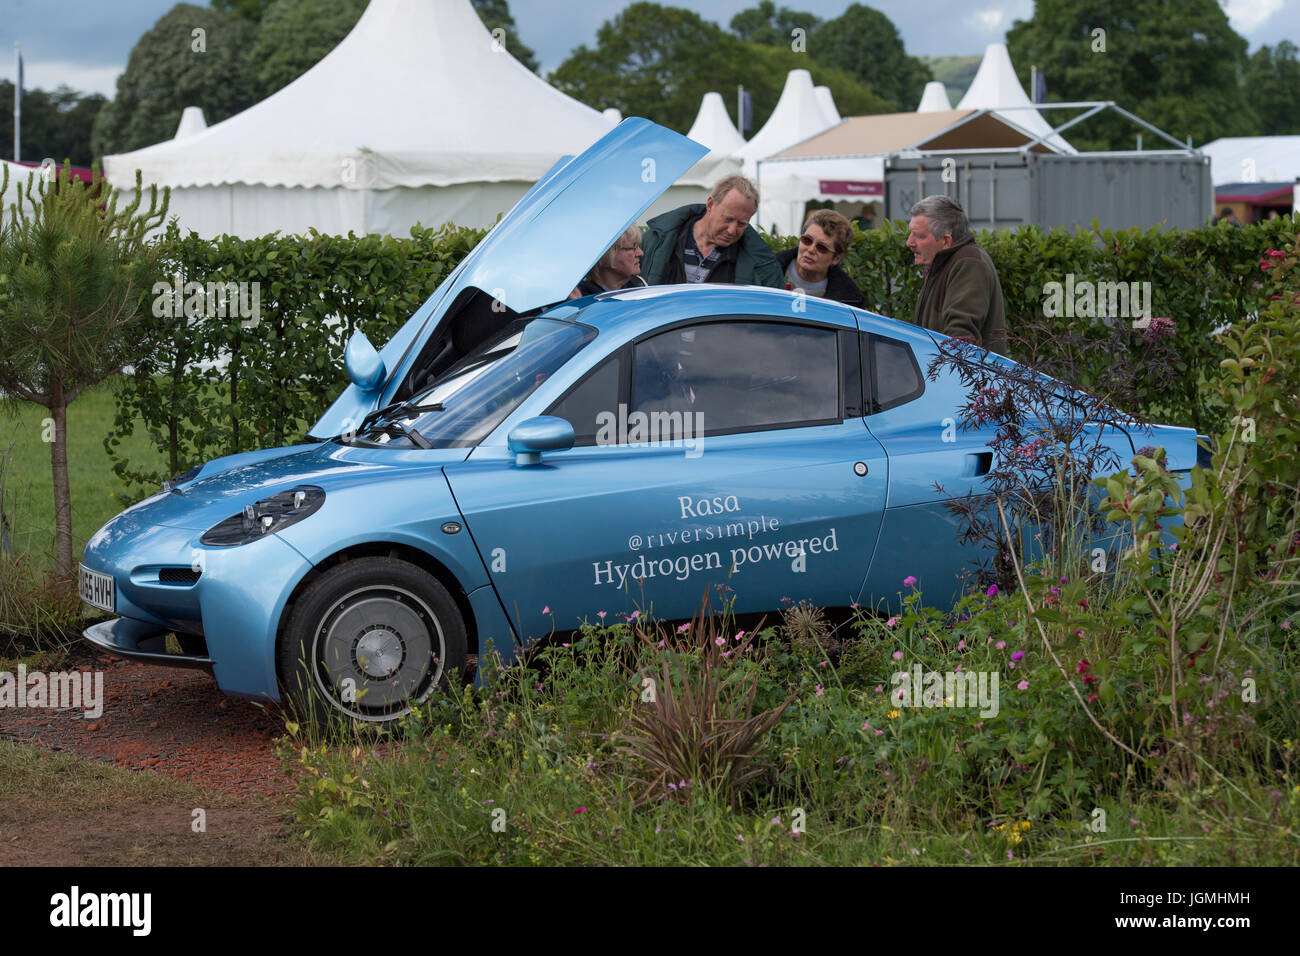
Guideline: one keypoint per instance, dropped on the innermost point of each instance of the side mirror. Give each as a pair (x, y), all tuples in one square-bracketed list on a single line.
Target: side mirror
[(364, 366), (533, 436)]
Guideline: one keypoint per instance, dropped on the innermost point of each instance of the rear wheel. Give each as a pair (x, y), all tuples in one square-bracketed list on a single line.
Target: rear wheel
[(371, 639)]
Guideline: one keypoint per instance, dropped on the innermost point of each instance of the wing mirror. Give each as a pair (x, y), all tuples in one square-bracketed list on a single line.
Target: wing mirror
[(533, 436), (364, 366)]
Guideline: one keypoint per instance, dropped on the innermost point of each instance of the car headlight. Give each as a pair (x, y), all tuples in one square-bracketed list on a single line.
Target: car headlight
[(265, 517)]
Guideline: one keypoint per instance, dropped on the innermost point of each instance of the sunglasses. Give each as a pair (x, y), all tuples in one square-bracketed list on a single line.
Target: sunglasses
[(807, 240)]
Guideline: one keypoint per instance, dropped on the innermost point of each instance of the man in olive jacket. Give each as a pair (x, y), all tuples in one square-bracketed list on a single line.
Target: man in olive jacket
[(711, 242), (961, 297)]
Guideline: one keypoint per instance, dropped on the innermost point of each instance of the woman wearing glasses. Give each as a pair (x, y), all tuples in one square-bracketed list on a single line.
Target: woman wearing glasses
[(814, 264), (618, 268)]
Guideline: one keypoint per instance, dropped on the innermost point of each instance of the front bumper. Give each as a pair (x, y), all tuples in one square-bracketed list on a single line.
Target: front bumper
[(137, 641)]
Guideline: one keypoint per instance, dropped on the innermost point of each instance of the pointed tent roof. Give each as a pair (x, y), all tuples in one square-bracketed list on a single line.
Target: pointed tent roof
[(797, 116), (418, 94), (995, 87), (935, 98), (827, 101), (713, 127), (192, 121)]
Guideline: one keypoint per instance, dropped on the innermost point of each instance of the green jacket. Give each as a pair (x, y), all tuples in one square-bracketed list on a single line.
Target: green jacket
[(747, 262), (962, 297)]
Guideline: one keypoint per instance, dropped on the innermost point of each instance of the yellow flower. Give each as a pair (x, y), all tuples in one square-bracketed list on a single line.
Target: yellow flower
[(893, 713)]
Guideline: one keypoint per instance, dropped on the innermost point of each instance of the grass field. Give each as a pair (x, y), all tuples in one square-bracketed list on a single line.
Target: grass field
[(27, 482)]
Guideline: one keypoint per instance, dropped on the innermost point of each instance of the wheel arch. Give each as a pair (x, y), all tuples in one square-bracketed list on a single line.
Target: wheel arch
[(385, 549)]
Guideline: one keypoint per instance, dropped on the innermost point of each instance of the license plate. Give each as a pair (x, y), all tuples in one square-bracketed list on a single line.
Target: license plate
[(96, 589)]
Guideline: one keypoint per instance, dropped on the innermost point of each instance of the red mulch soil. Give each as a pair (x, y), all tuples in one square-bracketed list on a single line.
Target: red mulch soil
[(169, 720)]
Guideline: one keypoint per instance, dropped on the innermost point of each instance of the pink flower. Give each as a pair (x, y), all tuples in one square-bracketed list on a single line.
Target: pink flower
[(909, 581), (1017, 655), (564, 645), (1023, 685), (879, 732), (892, 621), (634, 616), (879, 688), (601, 615), (867, 725), (547, 609), (961, 645), (739, 635), (819, 690), (993, 589), (720, 640), (776, 821), (1285, 625), (1000, 644), (580, 810), (823, 663), (684, 627), (898, 655)]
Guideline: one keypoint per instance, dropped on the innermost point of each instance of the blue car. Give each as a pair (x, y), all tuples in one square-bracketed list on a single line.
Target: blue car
[(512, 463)]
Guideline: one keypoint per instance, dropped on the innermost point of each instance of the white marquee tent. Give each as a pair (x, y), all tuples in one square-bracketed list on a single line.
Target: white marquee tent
[(799, 114), (192, 121), (995, 87), (935, 98), (713, 127), (418, 115), (1259, 159), (18, 177)]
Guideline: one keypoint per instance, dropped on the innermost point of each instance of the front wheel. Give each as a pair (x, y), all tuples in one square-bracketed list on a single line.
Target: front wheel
[(371, 639)]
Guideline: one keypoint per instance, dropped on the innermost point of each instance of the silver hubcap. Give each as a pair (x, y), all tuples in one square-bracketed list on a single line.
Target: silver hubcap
[(378, 652)]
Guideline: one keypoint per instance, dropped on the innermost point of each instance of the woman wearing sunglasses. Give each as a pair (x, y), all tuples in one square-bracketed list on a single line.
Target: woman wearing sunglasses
[(814, 264)]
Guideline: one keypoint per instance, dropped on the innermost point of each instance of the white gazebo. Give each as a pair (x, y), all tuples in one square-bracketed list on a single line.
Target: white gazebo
[(934, 99), (995, 87), (418, 115)]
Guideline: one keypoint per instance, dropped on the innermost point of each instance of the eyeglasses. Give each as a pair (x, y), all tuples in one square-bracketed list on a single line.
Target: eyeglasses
[(629, 248), (807, 240)]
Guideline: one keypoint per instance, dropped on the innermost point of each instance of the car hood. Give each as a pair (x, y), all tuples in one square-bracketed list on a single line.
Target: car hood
[(533, 257), (206, 501)]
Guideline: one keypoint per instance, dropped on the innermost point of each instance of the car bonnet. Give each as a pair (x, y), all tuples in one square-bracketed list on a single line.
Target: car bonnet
[(540, 250)]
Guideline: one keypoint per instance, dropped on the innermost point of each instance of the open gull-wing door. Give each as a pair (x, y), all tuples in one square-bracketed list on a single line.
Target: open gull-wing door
[(533, 257)]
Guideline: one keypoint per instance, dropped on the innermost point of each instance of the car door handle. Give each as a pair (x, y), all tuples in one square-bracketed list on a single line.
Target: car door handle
[(978, 463)]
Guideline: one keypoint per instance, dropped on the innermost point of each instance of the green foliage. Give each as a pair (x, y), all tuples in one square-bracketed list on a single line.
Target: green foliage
[(495, 15), (658, 62), (1176, 65), (1272, 81), (74, 275), (56, 124), (771, 25), (284, 366), (292, 37), (169, 69), (865, 43)]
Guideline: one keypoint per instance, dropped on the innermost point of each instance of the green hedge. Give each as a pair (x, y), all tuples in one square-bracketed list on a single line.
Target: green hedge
[(286, 369)]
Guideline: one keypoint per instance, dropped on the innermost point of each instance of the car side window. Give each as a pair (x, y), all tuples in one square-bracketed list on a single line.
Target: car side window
[(740, 376), (598, 392), (895, 377)]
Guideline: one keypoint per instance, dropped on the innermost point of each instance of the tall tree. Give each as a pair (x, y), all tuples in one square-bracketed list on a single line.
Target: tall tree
[(658, 62), (865, 43), (1273, 88), (55, 124), (78, 273), (1177, 65), (772, 25), (193, 56), (495, 14)]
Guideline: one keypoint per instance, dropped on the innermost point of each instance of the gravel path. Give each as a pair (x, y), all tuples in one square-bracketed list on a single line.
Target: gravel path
[(172, 721)]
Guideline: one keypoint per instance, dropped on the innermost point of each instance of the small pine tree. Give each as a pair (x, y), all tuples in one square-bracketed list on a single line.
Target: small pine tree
[(75, 275)]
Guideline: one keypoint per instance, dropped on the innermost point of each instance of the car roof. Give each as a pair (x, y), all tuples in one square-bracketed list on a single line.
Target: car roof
[(633, 312)]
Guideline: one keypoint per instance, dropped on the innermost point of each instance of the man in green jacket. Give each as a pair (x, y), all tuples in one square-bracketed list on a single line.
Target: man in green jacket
[(711, 242), (961, 297)]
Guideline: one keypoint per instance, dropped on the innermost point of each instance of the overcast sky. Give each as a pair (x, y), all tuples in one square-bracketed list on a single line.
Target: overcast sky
[(85, 43)]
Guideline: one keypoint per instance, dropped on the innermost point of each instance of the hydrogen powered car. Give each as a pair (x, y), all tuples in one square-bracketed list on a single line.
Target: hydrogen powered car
[(513, 463)]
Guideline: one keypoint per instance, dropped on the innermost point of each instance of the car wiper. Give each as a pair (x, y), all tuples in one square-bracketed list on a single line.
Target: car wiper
[(404, 430), (398, 408)]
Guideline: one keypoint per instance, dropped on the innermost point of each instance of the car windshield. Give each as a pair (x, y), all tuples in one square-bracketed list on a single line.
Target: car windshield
[(477, 393)]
